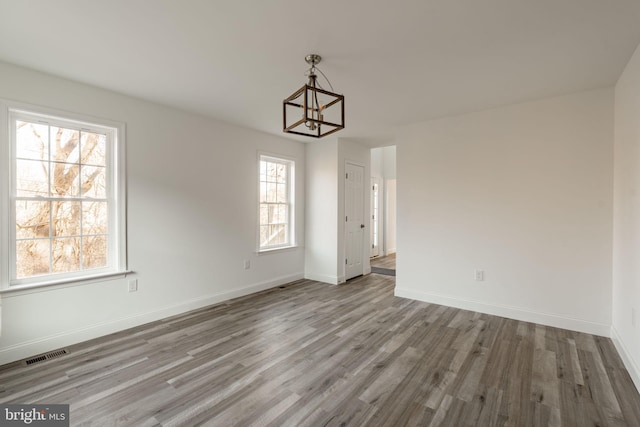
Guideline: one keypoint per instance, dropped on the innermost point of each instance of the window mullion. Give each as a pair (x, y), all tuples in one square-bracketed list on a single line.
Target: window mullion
[(50, 192), (80, 166), (50, 237)]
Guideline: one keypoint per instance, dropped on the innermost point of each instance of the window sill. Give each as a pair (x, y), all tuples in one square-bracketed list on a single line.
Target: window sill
[(17, 290), (276, 250)]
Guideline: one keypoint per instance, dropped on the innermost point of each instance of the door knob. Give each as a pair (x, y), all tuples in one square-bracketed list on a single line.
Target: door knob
[(361, 225)]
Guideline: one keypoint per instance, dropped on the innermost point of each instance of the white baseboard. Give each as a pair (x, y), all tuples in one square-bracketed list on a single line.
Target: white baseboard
[(31, 348), (332, 280), (324, 278), (509, 312), (628, 361)]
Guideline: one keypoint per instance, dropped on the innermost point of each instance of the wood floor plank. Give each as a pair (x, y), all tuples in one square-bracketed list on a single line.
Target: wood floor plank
[(388, 261), (518, 390), (310, 354)]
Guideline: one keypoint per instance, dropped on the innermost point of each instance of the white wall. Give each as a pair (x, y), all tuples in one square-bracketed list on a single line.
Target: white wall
[(192, 219), (321, 234), (522, 192), (377, 162), (626, 211), (389, 162), (383, 162), (325, 235)]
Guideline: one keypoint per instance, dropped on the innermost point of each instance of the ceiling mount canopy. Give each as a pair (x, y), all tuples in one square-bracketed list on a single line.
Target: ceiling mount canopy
[(312, 110)]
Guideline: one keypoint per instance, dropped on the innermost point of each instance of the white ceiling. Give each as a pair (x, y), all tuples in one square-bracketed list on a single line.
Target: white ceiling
[(396, 62)]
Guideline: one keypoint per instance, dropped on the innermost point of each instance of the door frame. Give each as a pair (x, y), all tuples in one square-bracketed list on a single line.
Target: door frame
[(376, 223), (365, 185)]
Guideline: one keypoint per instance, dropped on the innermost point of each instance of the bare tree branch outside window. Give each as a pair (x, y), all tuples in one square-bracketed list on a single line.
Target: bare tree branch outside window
[(61, 205)]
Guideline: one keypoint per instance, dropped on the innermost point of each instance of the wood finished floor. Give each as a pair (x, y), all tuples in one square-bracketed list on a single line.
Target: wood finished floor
[(388, 261), (320, 355)]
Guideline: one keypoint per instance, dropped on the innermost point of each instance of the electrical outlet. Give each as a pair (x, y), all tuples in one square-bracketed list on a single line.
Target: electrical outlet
[(133, 285), (479, 275), (633, 317), (247, 264)]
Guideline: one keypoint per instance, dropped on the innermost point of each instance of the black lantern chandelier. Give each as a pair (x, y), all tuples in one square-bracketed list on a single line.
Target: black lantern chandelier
[(312, 110)]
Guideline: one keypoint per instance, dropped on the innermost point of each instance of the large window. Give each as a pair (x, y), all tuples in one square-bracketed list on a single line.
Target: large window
[(276, 177), (66, 213)]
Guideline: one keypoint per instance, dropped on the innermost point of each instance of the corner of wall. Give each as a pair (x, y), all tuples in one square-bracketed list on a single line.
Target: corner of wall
[(323, 278), (511, 312), (627, 358), (626, 244)]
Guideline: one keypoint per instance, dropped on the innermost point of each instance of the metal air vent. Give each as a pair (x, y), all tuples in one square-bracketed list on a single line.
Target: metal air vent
[(46, 356)]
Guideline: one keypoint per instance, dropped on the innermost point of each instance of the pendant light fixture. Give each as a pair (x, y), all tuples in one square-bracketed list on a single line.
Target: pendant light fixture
[(312, 110)]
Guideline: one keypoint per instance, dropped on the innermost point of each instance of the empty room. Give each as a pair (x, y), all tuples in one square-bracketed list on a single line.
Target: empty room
[(338, 213)]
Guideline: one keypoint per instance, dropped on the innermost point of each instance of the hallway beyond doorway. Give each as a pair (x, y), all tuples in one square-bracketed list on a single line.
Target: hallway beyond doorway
[(384, 265)]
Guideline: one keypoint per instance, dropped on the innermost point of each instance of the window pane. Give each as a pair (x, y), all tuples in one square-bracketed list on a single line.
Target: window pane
[(282, 214), (282, 172), (273, 233), (32, 178), (273, 214), (263, 192), (32, 219), (94, 182), (263, 170), (279, 234), (94, 149), (282, 193), (94, 218), (279, 214), (94, 252), (65, 180), (32, 257), (32, 141), (264, 235), (271, 192), (66, 254), (64, 145), (66, 218), (271, 172)]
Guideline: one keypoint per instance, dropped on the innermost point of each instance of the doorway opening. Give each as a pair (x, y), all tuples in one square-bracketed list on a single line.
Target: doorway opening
[(383, 211)]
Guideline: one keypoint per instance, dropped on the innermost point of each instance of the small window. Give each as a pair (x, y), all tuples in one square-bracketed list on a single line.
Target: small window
[(66, 199), (276, 213)]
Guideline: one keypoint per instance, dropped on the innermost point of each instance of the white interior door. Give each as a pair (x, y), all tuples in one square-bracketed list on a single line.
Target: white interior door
[(374, 230), (355, 221)]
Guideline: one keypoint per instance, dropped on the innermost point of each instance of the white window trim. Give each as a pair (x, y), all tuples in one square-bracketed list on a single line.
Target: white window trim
[(291, 177), (7, 229)]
